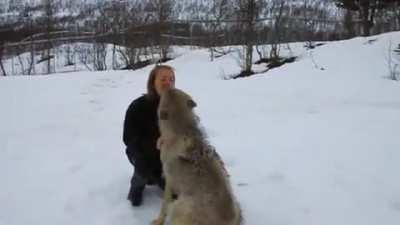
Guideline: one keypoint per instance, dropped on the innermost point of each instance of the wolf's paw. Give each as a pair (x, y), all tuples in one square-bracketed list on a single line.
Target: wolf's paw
[(157, 221)]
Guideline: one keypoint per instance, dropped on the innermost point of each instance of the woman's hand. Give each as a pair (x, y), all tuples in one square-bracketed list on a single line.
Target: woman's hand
[(160, 142)]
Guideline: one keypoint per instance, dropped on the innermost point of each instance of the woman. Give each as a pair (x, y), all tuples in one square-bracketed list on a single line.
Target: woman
[(141, 133)]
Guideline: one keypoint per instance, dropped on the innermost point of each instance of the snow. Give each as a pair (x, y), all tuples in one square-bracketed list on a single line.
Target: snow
[(303, 146)]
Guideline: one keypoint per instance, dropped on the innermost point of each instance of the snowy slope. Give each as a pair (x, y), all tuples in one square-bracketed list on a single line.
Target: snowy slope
[(304, 146)]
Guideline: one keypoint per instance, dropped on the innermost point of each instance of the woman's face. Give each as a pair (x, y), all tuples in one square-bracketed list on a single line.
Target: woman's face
[(165, 79)]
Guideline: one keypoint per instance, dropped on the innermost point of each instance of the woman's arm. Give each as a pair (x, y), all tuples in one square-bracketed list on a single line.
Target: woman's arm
[(132, 125)]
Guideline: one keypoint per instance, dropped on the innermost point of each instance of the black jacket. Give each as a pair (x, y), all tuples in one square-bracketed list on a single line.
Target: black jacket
[(140, 136)]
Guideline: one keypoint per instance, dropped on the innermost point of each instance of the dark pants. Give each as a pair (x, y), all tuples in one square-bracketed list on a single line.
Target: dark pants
[(147, 171)]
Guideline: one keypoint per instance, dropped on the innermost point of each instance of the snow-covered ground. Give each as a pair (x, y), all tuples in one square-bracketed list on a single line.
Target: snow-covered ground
[(304, 146)]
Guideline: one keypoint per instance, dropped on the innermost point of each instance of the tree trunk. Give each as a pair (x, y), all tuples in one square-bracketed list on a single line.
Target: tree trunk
[(32, 59), (48, 60), (114, 66), (250, 15), (366, 23), (249, 58), (1, 60), (2, 68)]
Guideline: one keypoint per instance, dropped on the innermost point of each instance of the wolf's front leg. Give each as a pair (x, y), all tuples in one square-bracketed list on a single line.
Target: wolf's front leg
[(167, 199)]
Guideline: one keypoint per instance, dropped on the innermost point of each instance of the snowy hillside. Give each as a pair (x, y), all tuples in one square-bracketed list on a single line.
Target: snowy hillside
[(304, 145)]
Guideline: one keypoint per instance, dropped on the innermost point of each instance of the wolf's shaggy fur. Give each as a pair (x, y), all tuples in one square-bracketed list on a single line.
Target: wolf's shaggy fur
[(192, 169)]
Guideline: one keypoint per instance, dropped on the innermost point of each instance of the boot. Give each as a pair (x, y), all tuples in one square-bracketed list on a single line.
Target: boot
[(138, 184), (135, 196)]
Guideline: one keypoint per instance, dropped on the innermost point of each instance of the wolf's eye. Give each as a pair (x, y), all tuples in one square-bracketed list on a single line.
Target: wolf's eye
[(191, 104), (163, 115)]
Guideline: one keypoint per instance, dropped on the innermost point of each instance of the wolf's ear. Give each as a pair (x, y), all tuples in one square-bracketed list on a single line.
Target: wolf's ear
[(163, 115), (191, 104)]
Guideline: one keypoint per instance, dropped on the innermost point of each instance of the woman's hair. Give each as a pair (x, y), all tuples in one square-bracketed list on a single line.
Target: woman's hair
[(151, 90)]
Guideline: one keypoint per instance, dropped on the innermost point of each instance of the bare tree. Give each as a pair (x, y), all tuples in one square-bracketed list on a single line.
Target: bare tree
[(118, 17), (1, 59), (31, 67), (102, 26), (28, 15), (277, 8), (134, 39), (49, 21), (388, 19), (248, 12), (348, 22), (84, 53), (368, 10), (20, 51), (221, 10), (162, 11), (99, 55), (397, 14)]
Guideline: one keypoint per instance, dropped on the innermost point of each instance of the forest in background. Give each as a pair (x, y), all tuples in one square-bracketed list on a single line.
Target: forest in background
[(149, 27)]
